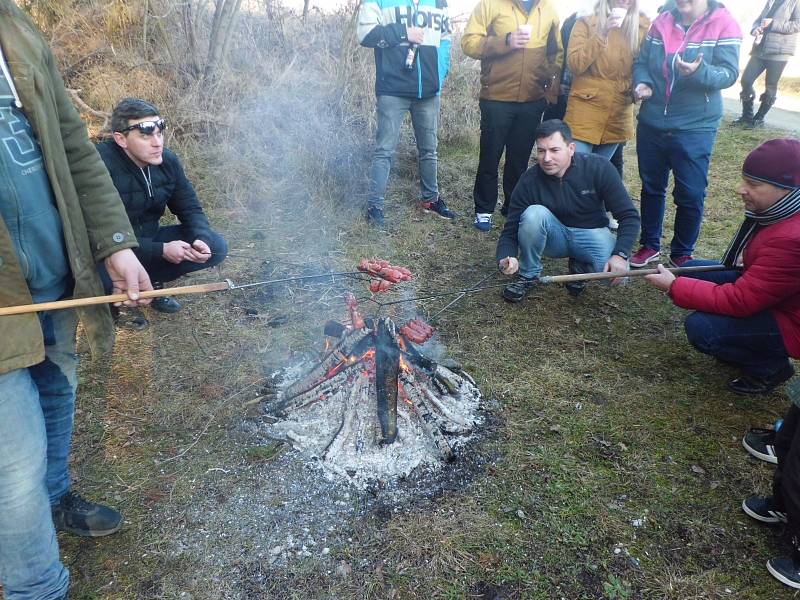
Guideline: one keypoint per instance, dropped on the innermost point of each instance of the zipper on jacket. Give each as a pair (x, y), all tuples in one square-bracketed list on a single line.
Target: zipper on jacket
[(419, 75), (148, 181), (680, 49)]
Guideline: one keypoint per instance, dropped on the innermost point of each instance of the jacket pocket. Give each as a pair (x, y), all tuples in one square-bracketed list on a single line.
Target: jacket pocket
[(589, 95)]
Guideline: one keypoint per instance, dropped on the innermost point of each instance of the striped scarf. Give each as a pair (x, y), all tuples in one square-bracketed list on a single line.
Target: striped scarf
[(786, 207)]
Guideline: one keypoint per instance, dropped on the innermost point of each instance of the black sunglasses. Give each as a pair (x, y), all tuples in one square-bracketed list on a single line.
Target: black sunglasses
[(147, 127)]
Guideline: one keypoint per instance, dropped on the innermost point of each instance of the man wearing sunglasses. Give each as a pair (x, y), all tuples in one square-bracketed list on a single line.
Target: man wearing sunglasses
[(150, 179)]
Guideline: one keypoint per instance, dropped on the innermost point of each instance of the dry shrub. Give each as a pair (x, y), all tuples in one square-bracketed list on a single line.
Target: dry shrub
[(291, 117)]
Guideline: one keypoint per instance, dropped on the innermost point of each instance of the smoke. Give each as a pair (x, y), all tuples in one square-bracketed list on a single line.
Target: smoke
[(305, 130)]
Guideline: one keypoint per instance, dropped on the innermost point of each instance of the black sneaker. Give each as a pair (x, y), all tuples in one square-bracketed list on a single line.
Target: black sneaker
[(575, 288), (785, 570), (517, 290), (762, 509), (760, 443), (129, 318), (165, 304), (761, 385), (375, 216), (78, 516), (439, 207)]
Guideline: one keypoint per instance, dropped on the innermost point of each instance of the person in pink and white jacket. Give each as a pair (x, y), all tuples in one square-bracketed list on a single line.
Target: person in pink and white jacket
[(690, 54)]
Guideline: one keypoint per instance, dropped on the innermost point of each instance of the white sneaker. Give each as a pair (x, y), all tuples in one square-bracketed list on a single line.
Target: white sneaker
[(483, 221)]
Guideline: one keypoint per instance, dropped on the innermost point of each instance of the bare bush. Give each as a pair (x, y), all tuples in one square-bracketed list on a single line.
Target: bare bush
[(290, 117)]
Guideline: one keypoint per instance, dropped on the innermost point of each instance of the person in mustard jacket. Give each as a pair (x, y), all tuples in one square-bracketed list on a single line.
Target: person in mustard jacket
[(519, 46), (602, 49)]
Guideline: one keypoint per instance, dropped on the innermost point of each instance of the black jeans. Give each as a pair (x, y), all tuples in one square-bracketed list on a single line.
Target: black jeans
[(508, 126), (618, 160), (756, 66), (786, 481), (162, 271)]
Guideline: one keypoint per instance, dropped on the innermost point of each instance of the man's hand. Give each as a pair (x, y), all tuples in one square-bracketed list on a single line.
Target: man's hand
[(642, 92), (199, 252), (663, 280), (176, 252), (688, 68), (616, 264), (509, 265), (519, 39), (415, 35), (128, 275)]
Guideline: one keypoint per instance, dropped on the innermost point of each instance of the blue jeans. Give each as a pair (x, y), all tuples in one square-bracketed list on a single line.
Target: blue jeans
[(37, 405), (541, 234), (687, 154), (425, 120), (604, 150), (754, 344)]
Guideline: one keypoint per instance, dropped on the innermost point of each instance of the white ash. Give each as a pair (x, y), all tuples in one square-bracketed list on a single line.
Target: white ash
[(341, 433)]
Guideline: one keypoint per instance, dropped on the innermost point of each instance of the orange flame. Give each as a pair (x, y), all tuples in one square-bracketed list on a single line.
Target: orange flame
[(403, 395), (349, 360)]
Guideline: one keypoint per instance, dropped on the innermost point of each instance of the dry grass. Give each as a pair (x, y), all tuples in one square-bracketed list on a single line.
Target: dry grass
[(607, 416)]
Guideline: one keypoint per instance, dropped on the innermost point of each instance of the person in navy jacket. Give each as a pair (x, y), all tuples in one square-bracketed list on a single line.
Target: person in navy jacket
[(411, 39)]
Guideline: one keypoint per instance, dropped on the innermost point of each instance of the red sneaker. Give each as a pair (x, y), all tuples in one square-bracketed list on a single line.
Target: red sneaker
[(644, 256), (679, 261)]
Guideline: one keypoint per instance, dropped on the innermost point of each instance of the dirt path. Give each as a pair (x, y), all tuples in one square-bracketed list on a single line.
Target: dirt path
[(778, 118)]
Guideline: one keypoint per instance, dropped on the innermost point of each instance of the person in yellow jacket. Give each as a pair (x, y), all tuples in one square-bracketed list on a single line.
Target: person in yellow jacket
[(602, 49), (518, 44)]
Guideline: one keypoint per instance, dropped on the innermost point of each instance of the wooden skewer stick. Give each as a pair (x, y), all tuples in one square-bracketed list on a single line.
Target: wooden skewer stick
[(630, 273), (175, 291)]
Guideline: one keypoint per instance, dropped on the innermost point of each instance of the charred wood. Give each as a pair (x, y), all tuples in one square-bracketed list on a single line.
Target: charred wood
[(315, 376), (322, 389), (387, 369), (417, 395)]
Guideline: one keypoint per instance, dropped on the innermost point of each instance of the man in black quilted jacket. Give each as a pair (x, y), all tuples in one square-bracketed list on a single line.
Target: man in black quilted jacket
[(150, 179)]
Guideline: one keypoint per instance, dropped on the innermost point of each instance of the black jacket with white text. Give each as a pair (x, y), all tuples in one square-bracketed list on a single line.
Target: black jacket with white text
[(590, 187)]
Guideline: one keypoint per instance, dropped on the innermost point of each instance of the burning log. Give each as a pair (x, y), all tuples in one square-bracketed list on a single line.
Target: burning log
[(329, 410), (320, 391), (416, 396), (387, 368), (348, 416), (336, 358)]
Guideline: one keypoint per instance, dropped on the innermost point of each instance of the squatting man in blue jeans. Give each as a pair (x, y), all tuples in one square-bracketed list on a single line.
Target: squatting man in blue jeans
[(60, 216), (558, 210), (412, 57)]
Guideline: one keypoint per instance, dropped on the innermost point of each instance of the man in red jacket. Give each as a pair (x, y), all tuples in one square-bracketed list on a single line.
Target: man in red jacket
[(751, 318)]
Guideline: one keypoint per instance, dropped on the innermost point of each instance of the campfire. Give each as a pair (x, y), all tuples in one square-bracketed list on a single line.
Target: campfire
[(372, 405)]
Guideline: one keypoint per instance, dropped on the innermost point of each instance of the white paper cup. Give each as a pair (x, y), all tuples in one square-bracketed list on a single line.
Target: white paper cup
[(526, 28), (619, 14)]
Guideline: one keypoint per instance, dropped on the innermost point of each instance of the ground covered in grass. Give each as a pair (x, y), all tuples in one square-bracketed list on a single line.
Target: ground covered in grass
[(611, 466)]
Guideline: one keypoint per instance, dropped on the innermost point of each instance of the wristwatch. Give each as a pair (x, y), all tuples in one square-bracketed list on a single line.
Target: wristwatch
[(621, 254)]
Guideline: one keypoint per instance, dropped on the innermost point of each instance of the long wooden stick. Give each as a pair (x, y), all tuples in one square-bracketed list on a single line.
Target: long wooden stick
[(175, 291), (630, 273)]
